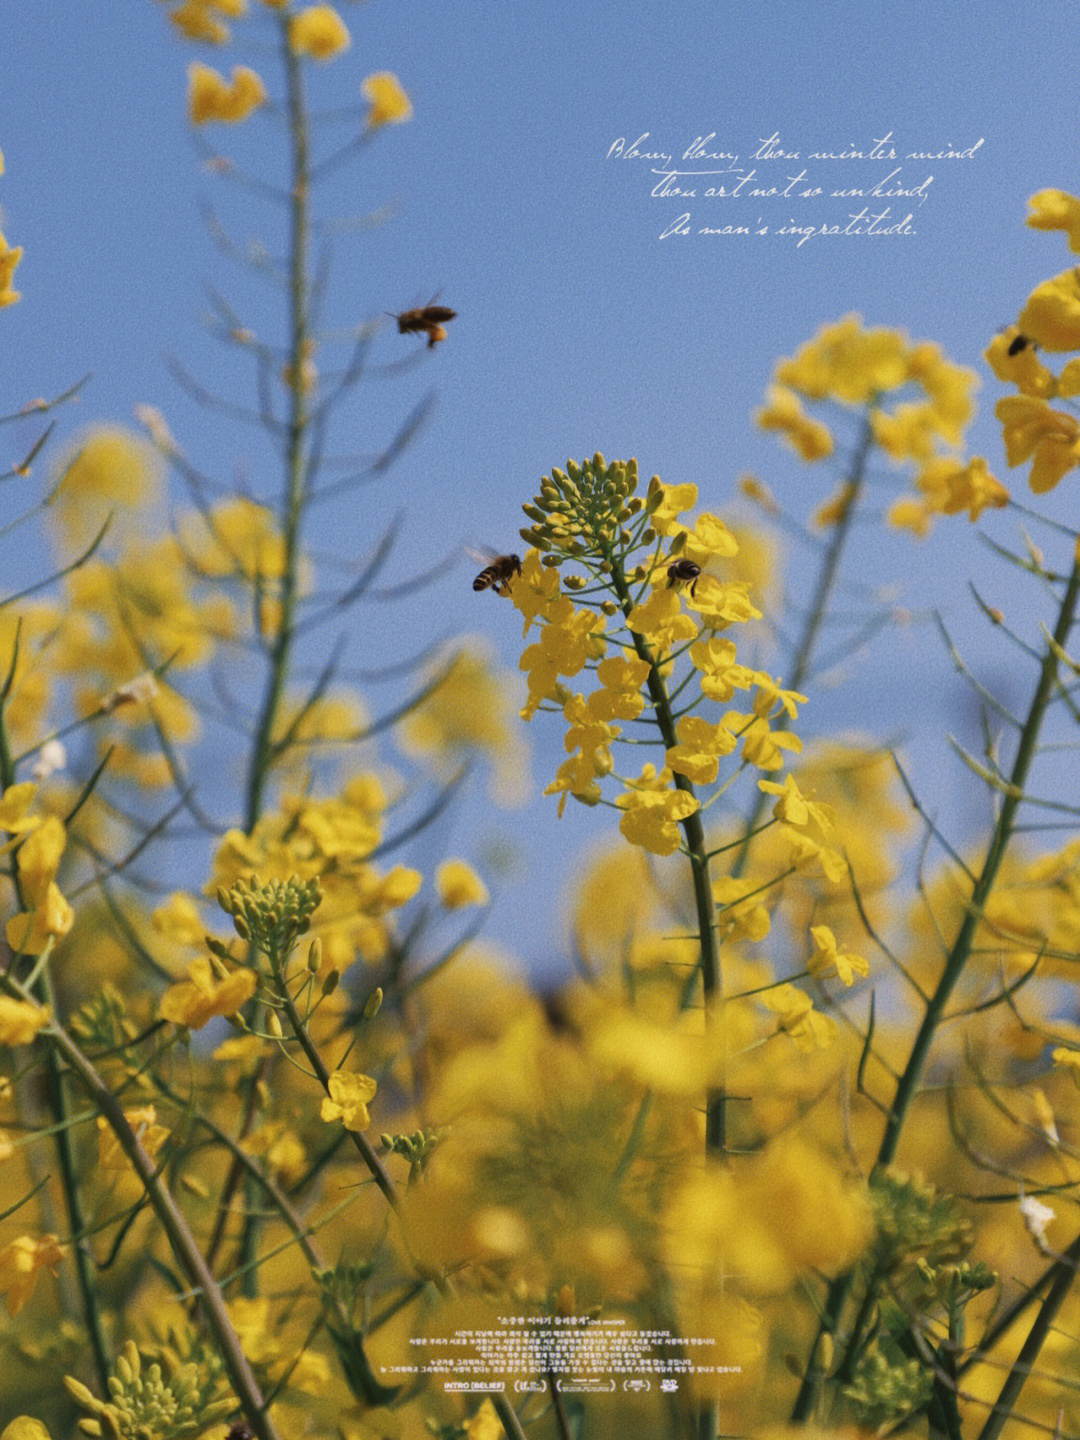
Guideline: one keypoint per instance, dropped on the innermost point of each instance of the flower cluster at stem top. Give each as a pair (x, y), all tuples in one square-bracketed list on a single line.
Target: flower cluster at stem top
[(643, 612)]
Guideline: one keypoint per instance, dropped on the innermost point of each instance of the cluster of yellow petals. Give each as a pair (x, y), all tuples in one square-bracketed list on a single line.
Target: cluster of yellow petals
[(1049, 321), (202, 20), (948, 487), (653, 811), (109, 475), (194, 1002), (829, 959), (806, 1027), (150, 1135), (327, 838), (213, 98), (588, 740), (1033, 431), (852, 365), (784, 413), (569, 638), (20, 1020), (48, 915), (388, 104), (458, 885), (348, 1100), (10, 255), (318, 32), (20, 1264), (9, 258), (788, 1212)]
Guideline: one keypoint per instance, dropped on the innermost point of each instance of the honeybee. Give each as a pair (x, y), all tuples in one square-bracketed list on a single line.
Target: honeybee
[(682, 570), (498, 574), (1020, 342), (429, 320)]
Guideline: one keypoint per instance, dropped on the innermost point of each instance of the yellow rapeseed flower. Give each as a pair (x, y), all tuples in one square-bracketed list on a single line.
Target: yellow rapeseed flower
[(9, 258), (910, 513), (20, 1264), (701, 744), (794, 808), (1051, 316), (51, 918), (783, 412), (39, 858), (971, 487), (318, 31), (458, 885), (674, 499), (15, 818), (150, 1135), (1023, 369), (213, 98), (797, 1017), (348, 1100), (194, 1002), (652, 812), (661, 618), (20, 1020), (110, 473), (195, 19), (1049, 438), (389, 104), (829, 959), (1056, 210)]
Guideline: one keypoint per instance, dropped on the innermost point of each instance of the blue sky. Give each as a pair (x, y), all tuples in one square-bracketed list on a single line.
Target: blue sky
[(578, 329)]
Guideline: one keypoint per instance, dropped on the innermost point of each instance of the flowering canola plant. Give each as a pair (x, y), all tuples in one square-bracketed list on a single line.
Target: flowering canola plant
[(809, 1127)]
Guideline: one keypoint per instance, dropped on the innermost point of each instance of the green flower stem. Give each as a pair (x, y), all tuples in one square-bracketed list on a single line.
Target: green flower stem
[(961, 949), (506, 1413), (293, 500), (697, 853), (1013, 796), (184, 1246), (264, 748), (803, 649), (367, 1152)]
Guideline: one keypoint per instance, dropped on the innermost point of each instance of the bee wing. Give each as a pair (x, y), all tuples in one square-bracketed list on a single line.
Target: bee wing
[(483, 556)]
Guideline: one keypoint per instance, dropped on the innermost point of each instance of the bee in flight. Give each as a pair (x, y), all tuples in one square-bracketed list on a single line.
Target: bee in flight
[(682, 571), (498, 574), (429, 320)]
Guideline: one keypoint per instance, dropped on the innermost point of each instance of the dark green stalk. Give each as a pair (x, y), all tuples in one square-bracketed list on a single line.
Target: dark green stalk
[(294, 492), (1029, 1352), (711, 976), (292, 505), (697, 854)]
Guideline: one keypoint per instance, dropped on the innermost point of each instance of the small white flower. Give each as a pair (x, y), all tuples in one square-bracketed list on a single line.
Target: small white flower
[(53, 757), (1037, 1217)]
